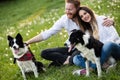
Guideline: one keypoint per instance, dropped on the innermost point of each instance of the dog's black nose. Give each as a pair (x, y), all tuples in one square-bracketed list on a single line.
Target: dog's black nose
[(14, 47)]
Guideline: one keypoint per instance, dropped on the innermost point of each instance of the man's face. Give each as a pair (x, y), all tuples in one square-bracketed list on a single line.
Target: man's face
[(70, 10)]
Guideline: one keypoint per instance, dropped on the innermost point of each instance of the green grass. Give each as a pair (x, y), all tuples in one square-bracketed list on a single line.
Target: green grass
[(30, 17)]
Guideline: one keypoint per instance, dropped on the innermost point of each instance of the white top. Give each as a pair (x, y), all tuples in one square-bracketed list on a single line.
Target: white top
[(106, 34), (63, 22)]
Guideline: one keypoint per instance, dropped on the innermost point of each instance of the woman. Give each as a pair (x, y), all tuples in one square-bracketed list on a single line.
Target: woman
[(60, 56), (107, 35)]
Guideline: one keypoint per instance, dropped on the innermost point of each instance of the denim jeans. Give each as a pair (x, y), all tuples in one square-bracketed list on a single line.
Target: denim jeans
[(78, 60), (109, 49)]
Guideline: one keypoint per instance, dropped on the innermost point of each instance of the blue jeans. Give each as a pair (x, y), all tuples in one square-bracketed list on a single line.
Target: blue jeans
[(109, 49)]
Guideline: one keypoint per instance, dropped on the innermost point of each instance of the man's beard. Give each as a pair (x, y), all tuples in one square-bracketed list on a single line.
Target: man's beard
[(74, 15)]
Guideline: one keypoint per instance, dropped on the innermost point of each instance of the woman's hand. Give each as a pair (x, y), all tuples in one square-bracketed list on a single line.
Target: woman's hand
[(108, 22)]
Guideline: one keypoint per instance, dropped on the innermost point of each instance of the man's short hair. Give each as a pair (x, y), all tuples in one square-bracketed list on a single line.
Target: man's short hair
[(75, 2)]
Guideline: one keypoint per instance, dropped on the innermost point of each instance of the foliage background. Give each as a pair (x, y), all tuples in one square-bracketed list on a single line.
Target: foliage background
[(30, 17)]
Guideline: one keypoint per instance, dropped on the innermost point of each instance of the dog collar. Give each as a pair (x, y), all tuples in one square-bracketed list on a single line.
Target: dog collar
[(27, 56)]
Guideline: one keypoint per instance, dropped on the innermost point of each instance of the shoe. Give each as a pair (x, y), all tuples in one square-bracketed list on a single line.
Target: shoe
[(79, 72), (111, 68)]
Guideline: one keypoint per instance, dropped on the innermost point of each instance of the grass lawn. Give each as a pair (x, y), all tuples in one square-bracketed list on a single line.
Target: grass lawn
[(30, 17)]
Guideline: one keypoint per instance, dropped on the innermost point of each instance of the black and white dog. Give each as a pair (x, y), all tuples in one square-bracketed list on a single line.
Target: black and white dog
[(24, 57), (90, 48)]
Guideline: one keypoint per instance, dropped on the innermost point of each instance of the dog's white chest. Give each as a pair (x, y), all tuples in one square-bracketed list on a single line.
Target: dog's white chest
[(87, 53), (26, 66)]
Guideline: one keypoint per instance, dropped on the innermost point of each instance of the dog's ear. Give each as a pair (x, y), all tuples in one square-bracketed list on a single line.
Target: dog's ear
[(80, 32), (74, 30), (9, 38), (18, 36)]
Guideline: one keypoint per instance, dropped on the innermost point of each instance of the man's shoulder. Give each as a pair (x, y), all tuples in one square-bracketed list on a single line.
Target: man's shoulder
[(64, 17)]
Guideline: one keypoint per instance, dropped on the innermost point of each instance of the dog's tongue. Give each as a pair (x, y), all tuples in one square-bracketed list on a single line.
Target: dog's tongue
[(16, 51), (70, 48)]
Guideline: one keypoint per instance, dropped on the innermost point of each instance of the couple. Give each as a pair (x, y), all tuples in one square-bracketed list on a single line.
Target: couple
[(69, 21)]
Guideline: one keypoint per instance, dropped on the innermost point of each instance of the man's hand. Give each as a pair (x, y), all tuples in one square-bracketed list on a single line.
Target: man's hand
[(26, 44), (108, 22)]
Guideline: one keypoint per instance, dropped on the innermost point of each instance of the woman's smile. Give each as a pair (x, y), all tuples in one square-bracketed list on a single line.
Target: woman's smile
[(85, 16)]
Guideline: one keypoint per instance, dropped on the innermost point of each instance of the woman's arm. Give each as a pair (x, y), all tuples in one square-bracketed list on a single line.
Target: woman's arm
[(111, 33), (106, 33)]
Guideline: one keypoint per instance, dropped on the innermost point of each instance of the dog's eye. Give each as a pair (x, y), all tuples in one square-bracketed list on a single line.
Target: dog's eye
[(17, 42), (12, 42)]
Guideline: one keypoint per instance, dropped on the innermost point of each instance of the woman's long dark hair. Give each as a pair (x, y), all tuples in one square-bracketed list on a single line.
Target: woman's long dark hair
[(92, 26)]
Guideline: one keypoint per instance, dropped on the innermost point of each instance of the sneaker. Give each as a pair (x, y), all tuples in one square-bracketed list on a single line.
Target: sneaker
[(111, 68), (79, 72)]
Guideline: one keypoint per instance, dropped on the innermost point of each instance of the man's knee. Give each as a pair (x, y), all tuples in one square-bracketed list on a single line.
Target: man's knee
[(43, 53)]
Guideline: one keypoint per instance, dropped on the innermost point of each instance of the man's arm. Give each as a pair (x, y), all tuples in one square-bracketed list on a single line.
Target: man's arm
[(35, 39), (108, 22)]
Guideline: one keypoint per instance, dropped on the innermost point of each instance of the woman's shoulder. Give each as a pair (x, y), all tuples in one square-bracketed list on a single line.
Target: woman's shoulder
[(101, 17)]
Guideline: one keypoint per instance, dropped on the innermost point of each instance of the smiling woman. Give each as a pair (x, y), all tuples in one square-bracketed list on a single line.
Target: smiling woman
[(107, 35)]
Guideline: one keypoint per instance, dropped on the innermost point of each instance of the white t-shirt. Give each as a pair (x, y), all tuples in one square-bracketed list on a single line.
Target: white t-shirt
[(63, 22)]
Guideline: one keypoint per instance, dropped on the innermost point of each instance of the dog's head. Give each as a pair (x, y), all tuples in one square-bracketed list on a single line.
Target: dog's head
[(78, 37), (16, 44)]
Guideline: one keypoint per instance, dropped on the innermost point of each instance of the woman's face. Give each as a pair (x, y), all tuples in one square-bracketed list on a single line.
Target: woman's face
[(70, 10), (85, 16)]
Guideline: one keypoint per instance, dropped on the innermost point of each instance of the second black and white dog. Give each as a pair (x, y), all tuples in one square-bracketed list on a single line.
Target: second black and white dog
[(24, 57), (90, 48)]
